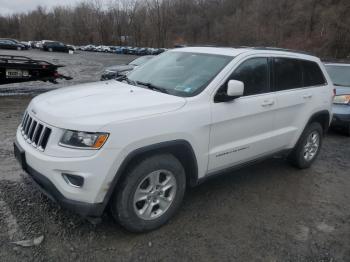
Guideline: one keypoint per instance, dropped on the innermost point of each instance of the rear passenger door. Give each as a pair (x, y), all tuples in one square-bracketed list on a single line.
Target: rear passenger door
[(297, 85), (243, 129)]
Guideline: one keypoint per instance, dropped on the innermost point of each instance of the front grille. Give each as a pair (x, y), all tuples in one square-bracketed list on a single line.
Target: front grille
[(34, 132)]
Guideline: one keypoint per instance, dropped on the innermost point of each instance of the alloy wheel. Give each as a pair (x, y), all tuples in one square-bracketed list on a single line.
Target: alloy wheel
[(311, 146), (155, 194)]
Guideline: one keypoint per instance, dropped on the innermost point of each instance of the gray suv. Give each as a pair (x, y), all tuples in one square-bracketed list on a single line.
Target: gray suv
[(340, 75)]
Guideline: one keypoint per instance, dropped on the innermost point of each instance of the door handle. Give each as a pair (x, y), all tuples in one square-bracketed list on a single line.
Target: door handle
[(267, 103), (308, 96)]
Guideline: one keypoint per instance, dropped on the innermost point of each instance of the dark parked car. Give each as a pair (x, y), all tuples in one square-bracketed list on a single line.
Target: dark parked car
[(121, 70), (131, 50), (119, 50), (55, 47), (25, 44), (141, 51), (10, 44), (17, 69), (340, 74)]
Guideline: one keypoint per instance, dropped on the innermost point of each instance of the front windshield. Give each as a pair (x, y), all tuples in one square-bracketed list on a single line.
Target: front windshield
[(340, 75), (180, 73), (140, 61)]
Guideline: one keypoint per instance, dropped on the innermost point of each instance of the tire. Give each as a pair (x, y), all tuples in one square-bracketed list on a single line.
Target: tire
[(348, 131), (19, 48), (299, 157), (125, 205), (50, 49)]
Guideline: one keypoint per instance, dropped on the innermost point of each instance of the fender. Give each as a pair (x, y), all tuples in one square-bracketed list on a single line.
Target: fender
[(182, 149), (323, 117)]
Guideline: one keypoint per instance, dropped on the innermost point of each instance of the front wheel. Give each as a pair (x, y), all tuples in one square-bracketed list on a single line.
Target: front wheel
[(308, 146), (150, 193)]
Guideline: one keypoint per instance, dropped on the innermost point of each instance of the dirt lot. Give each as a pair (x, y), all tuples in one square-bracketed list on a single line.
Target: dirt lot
[(267, 212), (82, 66)]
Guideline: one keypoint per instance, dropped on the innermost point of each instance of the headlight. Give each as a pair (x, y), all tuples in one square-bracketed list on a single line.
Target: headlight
[(83, 140), (342, 99)]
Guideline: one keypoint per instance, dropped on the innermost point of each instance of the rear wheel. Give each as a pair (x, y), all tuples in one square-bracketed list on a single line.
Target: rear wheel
[(50, 49), (308, 146), (19, 48), (150, 194)]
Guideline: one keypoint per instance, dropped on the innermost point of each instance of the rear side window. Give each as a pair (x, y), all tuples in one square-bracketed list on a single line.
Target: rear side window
[(254, 73), (288, 73), (313, 75)]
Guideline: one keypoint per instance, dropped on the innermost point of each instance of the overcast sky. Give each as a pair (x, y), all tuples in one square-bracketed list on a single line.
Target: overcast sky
[(14, 6)]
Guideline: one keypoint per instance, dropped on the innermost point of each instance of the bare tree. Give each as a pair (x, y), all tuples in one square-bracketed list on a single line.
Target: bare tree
[(320, 26)]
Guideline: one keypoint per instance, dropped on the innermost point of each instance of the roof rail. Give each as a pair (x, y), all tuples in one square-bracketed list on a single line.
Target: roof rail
[(258, 48), (281, 49)]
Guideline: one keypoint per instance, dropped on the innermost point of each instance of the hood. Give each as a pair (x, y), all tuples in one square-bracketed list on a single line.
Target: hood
[(89, 107), (120, 68)]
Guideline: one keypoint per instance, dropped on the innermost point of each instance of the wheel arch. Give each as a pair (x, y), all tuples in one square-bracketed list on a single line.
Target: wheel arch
[(181, 149), (322, 117)]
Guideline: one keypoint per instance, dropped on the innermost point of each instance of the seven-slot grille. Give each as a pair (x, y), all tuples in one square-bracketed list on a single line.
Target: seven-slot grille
[(34, 132)]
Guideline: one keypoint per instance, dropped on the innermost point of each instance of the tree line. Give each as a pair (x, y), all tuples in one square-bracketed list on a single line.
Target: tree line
[(318, 26)]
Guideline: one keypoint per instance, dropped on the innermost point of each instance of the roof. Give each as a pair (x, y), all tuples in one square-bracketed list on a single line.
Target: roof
[(230, 51)]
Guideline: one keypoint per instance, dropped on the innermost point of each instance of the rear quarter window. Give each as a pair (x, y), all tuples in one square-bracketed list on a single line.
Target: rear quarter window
[(291, 73), (313, 75)]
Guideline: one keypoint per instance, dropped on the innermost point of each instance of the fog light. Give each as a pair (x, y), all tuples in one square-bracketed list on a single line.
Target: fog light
[(73, 180)]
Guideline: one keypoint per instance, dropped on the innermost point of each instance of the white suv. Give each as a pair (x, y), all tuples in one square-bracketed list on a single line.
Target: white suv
[(134, 144)]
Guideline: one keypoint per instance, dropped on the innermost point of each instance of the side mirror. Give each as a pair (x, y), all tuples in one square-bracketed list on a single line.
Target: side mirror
[(235, 89)]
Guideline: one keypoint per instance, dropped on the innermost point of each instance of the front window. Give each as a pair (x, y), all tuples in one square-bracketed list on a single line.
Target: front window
[(340, 75), (180, 73), (254, 73)]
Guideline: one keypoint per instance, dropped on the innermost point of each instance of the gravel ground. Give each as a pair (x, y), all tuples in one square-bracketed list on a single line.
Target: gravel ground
[(82, 66), (267, 212)]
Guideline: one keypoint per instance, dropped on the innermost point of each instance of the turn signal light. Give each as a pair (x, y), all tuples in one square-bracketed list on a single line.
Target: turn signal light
[(100, 141)]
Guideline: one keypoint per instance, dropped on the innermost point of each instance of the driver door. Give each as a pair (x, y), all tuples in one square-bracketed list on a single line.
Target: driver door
[(243, 129)]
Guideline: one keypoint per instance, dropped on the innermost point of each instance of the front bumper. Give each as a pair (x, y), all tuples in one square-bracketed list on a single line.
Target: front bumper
[(340, 120), (341, 116), (51, 191), (97, 168)]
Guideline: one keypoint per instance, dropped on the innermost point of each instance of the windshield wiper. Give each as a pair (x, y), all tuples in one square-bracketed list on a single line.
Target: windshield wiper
[(148, 85), (125, 78), (153, 87)]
